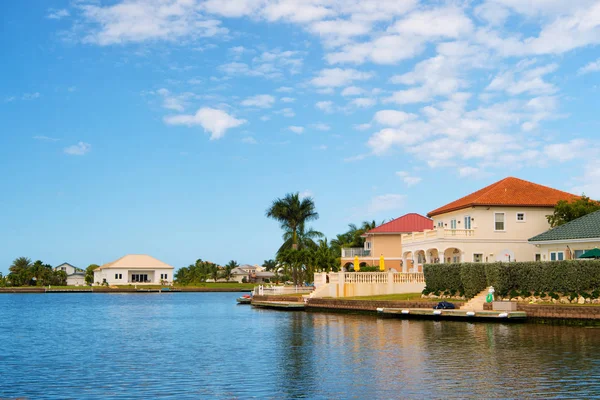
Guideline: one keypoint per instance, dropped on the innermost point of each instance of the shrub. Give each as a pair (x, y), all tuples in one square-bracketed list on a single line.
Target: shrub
[(442, 277), (473, 278)]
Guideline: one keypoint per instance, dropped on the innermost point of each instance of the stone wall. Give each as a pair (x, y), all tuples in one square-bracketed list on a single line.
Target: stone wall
[(298, 299), (557, 312)]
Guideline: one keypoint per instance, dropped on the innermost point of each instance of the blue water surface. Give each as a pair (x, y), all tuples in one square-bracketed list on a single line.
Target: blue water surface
[(204, 345)]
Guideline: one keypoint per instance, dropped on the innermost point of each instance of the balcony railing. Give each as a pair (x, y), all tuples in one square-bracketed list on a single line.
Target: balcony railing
[(437, 234), (355, 251)]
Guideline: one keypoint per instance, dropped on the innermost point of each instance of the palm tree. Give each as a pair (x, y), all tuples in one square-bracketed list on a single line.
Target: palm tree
[(20, 271), (293, 214), (228, 268), (305, 240), (270, 265)]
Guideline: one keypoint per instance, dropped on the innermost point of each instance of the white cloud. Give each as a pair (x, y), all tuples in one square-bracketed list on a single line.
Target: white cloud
[(519, 81), (387, 49), (335, 77), (306, 193), (362, 127), (31, 96), (58, 14), (174, 102), (352, 91), (215, 121), (393, 118), (249, 140), (593, 66), (288, 99), (386, 203), (325, 106), (269, 64), (284, 89), (562, 152), (448, 22), (78, 149), (408, 179), (260, 101), (321, 127), (286, 112), (46, 138), (296, 129), (468, 171), (146, 20), (363, 102), (590, 180)]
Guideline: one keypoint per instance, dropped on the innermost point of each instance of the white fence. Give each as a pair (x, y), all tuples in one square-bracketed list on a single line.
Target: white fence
[(263, 290), (348, 284)]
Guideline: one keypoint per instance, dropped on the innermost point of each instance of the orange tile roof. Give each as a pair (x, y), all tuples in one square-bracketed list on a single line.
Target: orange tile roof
[(407, 223), (508, 192)]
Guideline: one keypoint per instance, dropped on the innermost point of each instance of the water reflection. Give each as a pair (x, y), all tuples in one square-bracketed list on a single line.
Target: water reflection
[(205, 346)]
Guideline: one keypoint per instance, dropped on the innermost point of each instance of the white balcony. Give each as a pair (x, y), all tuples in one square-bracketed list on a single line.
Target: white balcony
[(434, 234), (355, 251)]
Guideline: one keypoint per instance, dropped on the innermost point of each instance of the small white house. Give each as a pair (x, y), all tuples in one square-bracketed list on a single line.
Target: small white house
[(134, 269), (75, 276)]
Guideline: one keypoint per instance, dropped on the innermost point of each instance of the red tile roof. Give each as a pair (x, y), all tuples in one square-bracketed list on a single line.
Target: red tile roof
[(407, 223), (508, 192)]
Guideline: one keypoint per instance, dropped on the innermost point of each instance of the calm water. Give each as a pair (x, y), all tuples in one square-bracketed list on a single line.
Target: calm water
[(204, 345)]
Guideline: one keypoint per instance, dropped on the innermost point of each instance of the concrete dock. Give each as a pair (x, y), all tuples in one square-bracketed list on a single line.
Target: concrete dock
[(425, 313), (281, 305)]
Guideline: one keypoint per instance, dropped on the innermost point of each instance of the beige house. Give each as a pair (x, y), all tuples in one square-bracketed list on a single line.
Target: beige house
[(252, 273), (135, 269), (386, 241), (492, 224)]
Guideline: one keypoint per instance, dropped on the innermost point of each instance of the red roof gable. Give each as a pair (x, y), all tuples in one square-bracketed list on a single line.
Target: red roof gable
[(407, 223), (508, 192)]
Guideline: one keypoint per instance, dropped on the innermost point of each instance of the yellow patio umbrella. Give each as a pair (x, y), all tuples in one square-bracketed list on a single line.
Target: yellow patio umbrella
[(356, 264), (381, 263)]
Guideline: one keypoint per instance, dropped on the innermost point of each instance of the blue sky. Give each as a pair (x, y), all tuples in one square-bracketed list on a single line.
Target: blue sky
[(168, 126)]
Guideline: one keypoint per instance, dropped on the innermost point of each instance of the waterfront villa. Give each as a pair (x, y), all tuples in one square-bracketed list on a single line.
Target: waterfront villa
[(75, 276), (252, 273), (138, 269), (569, 241), (386, 240), (491, 224)]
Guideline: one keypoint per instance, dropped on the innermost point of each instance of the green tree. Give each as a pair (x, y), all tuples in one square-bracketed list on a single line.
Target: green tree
[(270, 265), (89, 273), (565, 211), (228, 268), (325, 257), (20, 272), (293, 213)]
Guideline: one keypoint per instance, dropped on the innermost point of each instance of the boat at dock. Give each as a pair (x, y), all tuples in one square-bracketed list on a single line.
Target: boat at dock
[(245, 299)]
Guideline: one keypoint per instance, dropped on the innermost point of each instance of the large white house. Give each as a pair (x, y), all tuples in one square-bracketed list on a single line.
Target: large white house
[(75, 276), (491, 224), (135, 269)]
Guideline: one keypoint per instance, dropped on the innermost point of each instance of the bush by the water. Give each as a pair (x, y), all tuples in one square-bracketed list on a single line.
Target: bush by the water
[(515, 278)]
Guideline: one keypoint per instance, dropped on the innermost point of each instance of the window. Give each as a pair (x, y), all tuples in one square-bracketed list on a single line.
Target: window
[(467, 222), (538, 257), (557, 256), (521, 217), (477, 257), (452, 224), (367, 245), (118, 276), (440, 224), (499, 221), (165, 276)]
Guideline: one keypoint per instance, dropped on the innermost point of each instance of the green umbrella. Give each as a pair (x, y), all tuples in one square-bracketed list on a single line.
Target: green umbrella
[(594, 253)]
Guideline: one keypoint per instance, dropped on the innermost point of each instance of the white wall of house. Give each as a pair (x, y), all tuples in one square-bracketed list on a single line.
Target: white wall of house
[(76, 280), (479, 234), (69, 269), (557, 250), (124, 276)]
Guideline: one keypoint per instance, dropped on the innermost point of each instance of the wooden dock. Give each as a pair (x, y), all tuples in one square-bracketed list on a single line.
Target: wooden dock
[(280, 305), (462, 315)]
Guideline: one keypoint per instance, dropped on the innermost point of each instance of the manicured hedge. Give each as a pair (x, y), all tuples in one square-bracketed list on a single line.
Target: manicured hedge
[(572, 276)]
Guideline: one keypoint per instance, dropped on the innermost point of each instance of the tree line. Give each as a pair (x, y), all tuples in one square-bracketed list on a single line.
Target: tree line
[(24, 272), (201, 271)]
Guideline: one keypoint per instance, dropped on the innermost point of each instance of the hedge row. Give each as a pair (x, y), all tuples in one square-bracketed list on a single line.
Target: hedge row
[(572, 276)]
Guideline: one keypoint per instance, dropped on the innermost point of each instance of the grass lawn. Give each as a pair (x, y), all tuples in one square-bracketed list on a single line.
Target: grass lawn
[(394, 297)]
